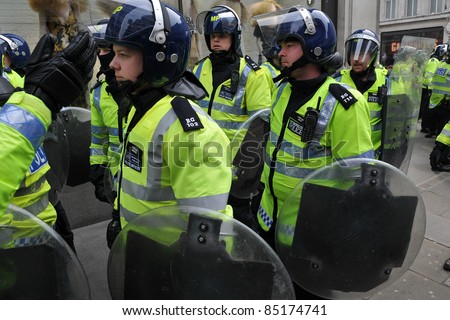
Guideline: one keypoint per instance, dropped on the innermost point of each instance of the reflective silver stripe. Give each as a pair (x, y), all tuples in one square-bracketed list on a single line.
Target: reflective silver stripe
[(279, 92), (241, 87), (114, 132), (445, 132), (377, 127), (24, 122), (203, 104), (375, 114), (127, 214), (198, 71), (291, 171), (153, 191), (38, 206), (213, 202), (436, 90), (311, 151), (228, 109), (97, 152), (97, 140), (99, 130), (229, 125), (96, 98), (24, 190)]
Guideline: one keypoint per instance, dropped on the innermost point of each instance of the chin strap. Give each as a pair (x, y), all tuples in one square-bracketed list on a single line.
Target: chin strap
[(285, 72)]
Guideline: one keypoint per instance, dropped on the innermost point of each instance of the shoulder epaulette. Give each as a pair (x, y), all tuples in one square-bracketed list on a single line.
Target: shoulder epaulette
[(342, 94), (189, 119), (251, 63)]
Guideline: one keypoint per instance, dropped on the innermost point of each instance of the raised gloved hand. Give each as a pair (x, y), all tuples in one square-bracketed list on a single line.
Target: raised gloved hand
[(113, 229), (58, 80)]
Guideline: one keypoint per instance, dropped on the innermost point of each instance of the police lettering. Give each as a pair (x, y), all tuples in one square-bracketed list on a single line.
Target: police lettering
[(296, 126)]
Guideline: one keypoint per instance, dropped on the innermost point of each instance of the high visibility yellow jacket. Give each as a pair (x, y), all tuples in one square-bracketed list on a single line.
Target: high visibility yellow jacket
[(428, 72), (13, 77), (373, 99), (231, 110), (440, 84), (24, 120), (341, 133), (105, 144), (168, 159), (444, 136), (32, 194), (271, 72)]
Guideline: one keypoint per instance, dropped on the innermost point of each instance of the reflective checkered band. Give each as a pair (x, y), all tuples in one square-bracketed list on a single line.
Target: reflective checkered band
[(265, 217)]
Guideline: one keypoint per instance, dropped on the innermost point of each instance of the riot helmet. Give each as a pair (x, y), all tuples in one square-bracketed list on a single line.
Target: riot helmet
[(361, 44), (17, 49), (160, 31), (439, 51), (312, 28), (220, 19), (98, 33)]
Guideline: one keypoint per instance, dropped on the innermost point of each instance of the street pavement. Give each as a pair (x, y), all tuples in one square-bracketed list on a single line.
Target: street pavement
[(424, 280)]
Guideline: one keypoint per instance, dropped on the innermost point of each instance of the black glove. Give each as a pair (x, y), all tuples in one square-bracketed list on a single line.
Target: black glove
[(60, 79), (97, 178), (113, 229)]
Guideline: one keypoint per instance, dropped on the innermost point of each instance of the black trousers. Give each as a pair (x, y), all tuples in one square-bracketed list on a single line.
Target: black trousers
[(62, 225)]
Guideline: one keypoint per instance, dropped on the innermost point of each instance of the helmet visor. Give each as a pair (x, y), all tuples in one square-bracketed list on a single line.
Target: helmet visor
[(361, 50), (278, 26)]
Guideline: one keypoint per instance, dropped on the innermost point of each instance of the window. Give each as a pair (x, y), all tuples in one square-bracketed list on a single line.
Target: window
[(411, 8), (436, 6), (390, 9)]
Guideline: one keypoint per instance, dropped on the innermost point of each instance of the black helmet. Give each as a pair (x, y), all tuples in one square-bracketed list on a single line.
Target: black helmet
[(160, 31), (361, 43), (220, 19)]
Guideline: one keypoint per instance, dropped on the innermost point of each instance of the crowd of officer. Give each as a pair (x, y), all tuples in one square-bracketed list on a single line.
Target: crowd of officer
[(147, 108)]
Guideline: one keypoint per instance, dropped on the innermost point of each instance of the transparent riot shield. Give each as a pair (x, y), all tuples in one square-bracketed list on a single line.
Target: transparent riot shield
[(35, 262), (350, 229), (77, 123), (193, 253), (248, 147), (401, 101), (56, 147)]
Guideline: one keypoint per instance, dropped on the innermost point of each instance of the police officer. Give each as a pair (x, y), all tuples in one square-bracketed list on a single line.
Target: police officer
[(427, 124), (50, 82), (314, 119), (361, 53), (15, 55), (237, 88), (440, 94), (105, 144), (173, 153)]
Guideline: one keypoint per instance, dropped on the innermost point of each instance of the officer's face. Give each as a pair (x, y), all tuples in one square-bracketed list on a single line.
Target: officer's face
[(290, 52), (220, 41), (361, 62), (128, 63)]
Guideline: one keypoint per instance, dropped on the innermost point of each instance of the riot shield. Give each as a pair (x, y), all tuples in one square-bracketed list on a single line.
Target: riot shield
[(350, 229), (77, 123), (401, 101), (35, 262), (248, 147), (56, 147), (193, 253)]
